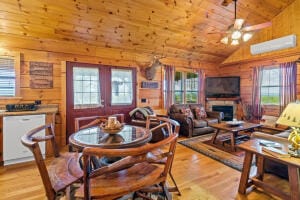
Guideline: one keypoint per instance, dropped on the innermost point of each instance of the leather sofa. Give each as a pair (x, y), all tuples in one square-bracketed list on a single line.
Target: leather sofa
[(191, 126)]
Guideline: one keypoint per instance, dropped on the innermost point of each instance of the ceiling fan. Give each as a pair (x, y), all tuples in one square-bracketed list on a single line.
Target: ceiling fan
[(237, 32)]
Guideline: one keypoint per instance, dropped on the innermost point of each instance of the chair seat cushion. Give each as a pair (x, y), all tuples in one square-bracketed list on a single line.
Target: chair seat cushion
[(211, 120), (59, 176), (199, 123), (119, 183)]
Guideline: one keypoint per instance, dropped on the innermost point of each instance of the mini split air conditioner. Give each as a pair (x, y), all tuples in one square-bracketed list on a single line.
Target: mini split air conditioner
[(274, 45)]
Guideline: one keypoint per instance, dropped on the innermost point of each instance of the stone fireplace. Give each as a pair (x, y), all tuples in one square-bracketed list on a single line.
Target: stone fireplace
[(225, 105), (227, 110)]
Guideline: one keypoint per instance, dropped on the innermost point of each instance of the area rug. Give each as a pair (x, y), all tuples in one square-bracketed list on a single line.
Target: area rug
[(202, 145)]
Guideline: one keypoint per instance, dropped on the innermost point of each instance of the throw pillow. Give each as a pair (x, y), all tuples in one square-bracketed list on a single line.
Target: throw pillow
[(200, 113), (187, 112)]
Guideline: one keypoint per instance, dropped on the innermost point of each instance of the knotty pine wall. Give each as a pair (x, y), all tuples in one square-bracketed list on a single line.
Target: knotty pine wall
[(241, 62), (59, 52)]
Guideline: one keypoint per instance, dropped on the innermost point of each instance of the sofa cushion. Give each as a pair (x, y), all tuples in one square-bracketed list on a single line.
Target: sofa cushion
[(175, 108), (187, 112), (200, 113), (199, 123), (195, 105), (211, 120)]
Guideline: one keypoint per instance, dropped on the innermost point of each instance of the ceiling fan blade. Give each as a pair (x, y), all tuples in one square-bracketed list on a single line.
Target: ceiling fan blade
[(257, 26), (238, 23)]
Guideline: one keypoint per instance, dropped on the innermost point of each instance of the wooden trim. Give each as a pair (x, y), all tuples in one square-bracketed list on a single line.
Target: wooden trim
[(63, 104), (271, 58)]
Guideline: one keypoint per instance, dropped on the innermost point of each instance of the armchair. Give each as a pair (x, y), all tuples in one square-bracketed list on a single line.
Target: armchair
[(191, 124)]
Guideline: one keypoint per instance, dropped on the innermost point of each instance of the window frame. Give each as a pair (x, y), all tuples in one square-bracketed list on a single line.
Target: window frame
[(131, 83), (271, 67), (183, 85), (16, 57)]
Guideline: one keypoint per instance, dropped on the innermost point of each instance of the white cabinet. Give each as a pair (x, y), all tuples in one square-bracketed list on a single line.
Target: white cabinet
[(14, 127)]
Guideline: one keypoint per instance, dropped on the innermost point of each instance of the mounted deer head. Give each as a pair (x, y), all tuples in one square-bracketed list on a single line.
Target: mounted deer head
[(151, 70)]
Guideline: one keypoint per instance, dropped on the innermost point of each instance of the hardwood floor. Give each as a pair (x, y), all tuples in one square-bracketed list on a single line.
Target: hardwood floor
[(199, 177)]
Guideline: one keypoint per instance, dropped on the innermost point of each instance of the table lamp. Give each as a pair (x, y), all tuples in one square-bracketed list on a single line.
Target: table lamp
[(291, 117)]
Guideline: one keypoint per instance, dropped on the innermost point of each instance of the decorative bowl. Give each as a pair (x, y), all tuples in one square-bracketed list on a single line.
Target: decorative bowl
[(112, 130), (234, 123)]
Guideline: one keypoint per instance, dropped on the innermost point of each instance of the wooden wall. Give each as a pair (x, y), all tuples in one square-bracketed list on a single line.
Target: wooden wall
[(241, 62), (59, 52)]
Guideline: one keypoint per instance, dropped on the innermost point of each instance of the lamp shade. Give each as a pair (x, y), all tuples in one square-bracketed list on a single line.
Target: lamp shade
[(290, 116)]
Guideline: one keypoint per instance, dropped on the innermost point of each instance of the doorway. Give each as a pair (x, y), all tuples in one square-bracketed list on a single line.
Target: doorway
[(94, 89)]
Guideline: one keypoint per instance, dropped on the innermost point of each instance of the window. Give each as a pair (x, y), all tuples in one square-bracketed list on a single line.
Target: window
[(86, 87), (185, 87), (7, 77), (122, 87), (270, 86)]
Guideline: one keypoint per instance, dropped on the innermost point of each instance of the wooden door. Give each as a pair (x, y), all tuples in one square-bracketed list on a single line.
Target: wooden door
[(98, 90)]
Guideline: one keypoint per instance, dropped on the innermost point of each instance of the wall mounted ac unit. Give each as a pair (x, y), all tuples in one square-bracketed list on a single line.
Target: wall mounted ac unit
[(274, 45)]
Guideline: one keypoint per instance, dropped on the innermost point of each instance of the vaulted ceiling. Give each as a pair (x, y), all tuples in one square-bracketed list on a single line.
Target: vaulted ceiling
[(189, 29)]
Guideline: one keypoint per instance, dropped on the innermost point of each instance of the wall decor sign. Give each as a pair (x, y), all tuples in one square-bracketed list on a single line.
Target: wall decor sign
[(41, 75), (150, 84)]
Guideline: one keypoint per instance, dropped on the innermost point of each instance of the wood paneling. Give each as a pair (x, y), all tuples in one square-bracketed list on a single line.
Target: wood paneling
[(185, 29), (285, 23), (57, 94), (241, 62), (122, 33)]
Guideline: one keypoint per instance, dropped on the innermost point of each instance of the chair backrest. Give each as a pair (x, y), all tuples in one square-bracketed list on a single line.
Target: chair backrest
[(86, 122), (131, 157), (31, 141), (171, 126)]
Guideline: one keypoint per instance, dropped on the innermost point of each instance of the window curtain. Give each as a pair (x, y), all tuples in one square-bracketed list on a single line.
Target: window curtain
[(201, 78), (288, 78), (256, 103), (169, 86)]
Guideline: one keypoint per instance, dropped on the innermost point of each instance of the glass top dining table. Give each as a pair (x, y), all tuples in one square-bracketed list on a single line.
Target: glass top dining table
[(128, 136)]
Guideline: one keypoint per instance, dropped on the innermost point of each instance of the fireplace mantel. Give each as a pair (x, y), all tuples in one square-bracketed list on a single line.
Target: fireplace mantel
[(224, 99)]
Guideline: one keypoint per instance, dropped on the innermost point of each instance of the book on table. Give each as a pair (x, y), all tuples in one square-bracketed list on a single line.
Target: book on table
[(268, 143)]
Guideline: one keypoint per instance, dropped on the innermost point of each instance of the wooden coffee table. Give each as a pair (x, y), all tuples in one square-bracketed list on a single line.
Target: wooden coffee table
[(234, 130), (253, 148)]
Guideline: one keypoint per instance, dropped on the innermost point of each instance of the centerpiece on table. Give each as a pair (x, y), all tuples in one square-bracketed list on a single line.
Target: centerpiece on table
[(112, 126)]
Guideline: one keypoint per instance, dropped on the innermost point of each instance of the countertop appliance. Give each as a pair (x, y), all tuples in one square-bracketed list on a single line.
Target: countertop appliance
[(14, 127)]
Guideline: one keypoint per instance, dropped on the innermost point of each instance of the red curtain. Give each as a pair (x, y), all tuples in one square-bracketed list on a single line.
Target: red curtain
[(201, 78), (288, 79), (169, 86), (256, 103)]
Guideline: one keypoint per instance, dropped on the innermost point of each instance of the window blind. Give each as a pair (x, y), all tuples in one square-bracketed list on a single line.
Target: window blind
[(7, 77)]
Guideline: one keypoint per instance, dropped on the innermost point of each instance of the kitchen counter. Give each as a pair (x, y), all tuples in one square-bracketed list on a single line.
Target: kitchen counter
[(41, 109)]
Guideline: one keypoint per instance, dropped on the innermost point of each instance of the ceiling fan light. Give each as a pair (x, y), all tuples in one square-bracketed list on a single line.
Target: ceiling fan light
[(234, 42), (236, 35), (225, 40), (247, 36), (238, 23)]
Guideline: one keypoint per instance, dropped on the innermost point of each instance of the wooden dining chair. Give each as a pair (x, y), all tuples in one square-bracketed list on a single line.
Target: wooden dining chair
[(136, 170), (86, 122), (169, 127), (63, 171)]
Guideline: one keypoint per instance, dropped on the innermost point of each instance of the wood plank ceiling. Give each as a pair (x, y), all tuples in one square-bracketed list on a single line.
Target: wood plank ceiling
[(177, 28)]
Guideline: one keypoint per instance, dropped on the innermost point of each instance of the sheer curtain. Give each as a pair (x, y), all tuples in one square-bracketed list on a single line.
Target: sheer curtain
[(288, 78), (201, 78), (256, 103), (169, 86)]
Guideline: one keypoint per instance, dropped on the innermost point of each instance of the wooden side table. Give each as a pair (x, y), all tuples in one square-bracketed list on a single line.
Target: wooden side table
[(252, 147)]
